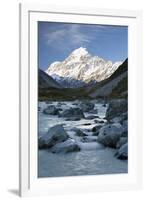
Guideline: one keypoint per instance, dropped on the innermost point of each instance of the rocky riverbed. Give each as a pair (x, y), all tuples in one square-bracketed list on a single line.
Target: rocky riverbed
[(82, 138)]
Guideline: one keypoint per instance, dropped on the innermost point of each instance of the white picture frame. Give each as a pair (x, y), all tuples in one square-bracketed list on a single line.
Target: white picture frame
[(30, 184)]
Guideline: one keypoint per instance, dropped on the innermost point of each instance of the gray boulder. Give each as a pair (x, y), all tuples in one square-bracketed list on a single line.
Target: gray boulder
[(109, 135), (51, 110), (95, 130), (125, 125), (125, 116), (116, 119), (118, 125), (116, 108), (72, 113), (125, 128), (122, 153), (79, 132), (86, 106), (59, 104), (122, 141), (65, 147), (55, 134), (125, 134), (120, 118)]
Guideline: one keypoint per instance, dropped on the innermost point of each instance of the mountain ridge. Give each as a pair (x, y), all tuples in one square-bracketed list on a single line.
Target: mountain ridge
[(116, 86), (81, 68)]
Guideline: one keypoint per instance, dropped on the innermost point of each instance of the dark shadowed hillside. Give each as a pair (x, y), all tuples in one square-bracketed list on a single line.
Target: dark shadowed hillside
[(46, 81)]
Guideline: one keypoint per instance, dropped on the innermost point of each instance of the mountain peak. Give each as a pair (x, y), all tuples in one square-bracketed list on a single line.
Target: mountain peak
[(80, 51), (81, 67), (77, 55)]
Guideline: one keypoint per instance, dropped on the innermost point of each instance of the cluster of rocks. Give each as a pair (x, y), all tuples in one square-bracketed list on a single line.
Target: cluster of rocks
[(114, 133), (57, 141), (51, 110), (72, 113)]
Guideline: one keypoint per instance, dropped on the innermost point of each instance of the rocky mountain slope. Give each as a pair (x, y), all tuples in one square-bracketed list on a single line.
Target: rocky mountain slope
[(115, 85), (81, 68)]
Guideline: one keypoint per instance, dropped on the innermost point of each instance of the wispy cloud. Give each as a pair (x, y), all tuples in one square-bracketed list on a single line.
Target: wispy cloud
[(67, 36), (57, 40)]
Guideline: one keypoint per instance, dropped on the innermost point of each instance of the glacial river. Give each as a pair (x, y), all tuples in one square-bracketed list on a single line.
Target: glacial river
[(93, 159)]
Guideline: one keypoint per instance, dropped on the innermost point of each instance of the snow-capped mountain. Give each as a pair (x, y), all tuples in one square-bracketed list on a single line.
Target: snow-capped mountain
[(81, 68)]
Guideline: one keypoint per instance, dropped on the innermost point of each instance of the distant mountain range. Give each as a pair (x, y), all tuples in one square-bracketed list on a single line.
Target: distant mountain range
[(81, 68), (115, 85)]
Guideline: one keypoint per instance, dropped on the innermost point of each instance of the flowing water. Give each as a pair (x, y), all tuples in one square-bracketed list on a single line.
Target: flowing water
[(93, 158)]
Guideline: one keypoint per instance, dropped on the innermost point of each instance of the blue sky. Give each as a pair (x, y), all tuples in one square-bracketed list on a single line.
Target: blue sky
[(57, 40)]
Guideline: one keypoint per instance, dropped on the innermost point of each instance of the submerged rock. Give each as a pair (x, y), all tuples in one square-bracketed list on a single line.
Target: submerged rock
[(89, 139), (86, 106), (73, 119), (95, 130), (51, 110), (54, 135), (109, 135), (65, 147), (97, 121), (101, 121), (122, 153), (87, 124), (92, 117)]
